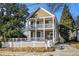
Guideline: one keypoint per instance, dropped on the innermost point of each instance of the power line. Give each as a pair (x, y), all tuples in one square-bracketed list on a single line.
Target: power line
[(29, 4)]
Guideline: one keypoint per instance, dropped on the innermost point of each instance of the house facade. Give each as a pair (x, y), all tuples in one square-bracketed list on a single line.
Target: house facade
[(43, 26)]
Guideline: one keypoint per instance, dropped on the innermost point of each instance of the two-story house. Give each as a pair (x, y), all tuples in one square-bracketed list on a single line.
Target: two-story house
[(43, 26)]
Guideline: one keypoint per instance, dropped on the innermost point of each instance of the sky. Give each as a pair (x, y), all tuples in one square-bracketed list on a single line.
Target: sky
[(73, 8)]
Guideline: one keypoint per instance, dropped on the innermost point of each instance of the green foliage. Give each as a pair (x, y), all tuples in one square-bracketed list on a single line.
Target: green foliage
[(66, 23), (77, 21), (12, 19)]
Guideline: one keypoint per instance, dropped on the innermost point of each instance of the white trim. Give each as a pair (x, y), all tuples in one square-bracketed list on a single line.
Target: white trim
[(41, 17), (32, 13), (42, 9), (47, 11)]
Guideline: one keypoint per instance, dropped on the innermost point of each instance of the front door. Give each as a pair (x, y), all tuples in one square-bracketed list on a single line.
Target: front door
[(49, 35), (39, 35)]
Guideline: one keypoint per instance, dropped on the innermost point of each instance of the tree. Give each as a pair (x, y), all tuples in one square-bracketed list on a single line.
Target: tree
[(67, 23), (77, 22), (12, 19)]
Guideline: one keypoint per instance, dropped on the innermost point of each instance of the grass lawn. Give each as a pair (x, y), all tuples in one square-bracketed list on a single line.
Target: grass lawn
[(28, 49)]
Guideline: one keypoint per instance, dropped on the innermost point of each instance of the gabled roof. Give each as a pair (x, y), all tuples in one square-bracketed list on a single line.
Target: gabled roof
[(39, 9)]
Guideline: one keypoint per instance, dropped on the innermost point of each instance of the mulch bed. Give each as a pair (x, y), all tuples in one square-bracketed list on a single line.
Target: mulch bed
[(28, 49)]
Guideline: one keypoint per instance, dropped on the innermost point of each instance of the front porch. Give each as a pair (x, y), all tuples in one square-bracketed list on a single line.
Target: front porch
[(24, 42), (42, 35)]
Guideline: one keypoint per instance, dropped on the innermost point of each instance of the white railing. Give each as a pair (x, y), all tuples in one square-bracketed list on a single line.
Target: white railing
[(31, 27), (37, 38), (25, 44), (40, 26), (25, 39), (17, 39), (48, 25), (40, 39)]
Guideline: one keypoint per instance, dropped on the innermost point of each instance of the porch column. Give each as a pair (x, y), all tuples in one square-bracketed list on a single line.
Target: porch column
[(29, 24), (53, 30), (44, 28), (35, 29), (28, 29)]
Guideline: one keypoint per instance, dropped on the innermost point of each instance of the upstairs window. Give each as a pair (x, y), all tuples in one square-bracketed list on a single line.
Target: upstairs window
[(48, 20)]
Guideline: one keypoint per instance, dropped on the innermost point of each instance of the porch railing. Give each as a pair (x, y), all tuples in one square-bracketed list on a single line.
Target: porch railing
[(25, 39), (37, 38), (16, 39), (40, 26)]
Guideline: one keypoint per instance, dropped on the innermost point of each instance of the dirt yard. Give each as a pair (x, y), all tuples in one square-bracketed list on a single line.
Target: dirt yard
[(28, 49), (74, 44), (25, 51)]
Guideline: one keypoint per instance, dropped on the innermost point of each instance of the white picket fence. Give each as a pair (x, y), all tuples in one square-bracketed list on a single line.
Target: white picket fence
[(16, 39), (22, 42)]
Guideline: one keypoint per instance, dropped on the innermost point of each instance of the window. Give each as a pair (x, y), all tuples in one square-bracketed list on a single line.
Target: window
[(39, 22), (38, 34), (32, 34), (48, 20), (49, 35)]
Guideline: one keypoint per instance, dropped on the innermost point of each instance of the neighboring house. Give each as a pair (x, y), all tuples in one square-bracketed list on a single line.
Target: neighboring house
[(73, 35), (77, 34), (77, 28), (42, 30), (43, 26)]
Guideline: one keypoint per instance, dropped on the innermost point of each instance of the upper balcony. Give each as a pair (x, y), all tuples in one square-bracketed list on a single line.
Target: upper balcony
[(40, 26), (41, 23)]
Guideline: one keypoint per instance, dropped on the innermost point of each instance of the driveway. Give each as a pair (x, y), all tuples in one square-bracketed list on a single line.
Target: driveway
[(67, 51)]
